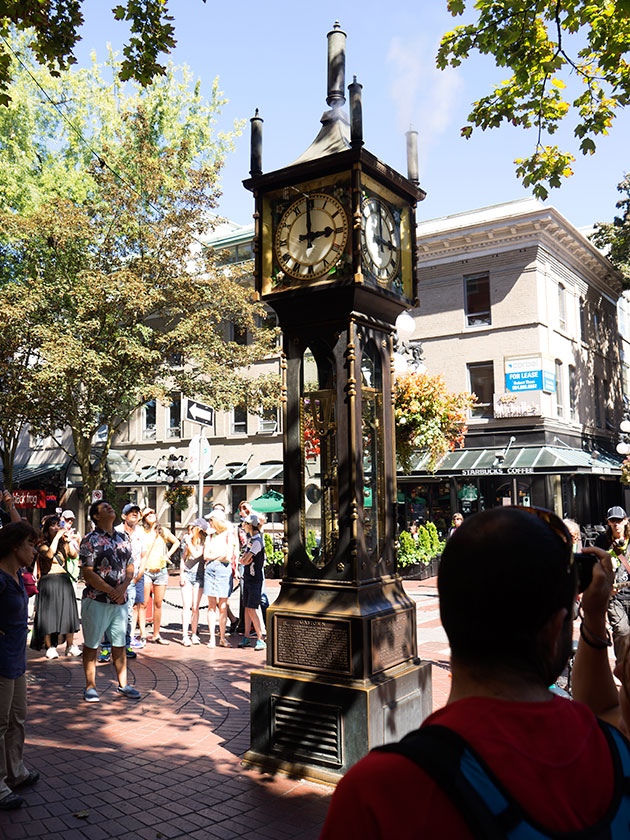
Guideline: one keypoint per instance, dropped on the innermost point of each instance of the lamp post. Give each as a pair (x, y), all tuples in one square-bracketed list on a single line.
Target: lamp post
[(408, 356), (171, 470)]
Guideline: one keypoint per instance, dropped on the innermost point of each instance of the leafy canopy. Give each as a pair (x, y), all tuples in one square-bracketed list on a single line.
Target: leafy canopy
[(53, 29), (614, 237), (114, 297), (549, 46)]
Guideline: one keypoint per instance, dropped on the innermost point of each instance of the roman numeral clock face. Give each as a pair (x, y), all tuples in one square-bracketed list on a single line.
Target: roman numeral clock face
[(311, 236), (380, 244)]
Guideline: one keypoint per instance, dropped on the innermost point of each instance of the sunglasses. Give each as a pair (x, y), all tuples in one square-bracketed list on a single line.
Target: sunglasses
[(557, 526), (615, 520)]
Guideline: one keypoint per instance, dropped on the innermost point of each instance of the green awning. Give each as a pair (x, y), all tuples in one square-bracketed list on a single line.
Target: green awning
[(523, 460)]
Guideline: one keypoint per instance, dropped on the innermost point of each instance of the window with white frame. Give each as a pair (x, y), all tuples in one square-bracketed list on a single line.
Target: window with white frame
[(481, 381), (559, 388), (582, 319), (572, 393), (268, 420), (174, 417), (562, 306), (239, 420), (149, 420), (477, 300), (598, 406)]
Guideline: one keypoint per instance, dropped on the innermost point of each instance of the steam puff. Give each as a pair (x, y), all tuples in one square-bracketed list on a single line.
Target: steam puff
[(424, 95)]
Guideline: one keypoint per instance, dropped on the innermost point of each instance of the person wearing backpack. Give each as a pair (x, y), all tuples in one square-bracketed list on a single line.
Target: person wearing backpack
[(506, 758)]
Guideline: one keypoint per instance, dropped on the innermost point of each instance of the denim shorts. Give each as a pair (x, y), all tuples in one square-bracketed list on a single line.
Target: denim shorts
[(192, 578), (159, 578), (217, 579), (139, 587), (97, 617)]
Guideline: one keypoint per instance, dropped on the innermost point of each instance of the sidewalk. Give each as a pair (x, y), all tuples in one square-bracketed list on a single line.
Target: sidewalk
[(168, 766)]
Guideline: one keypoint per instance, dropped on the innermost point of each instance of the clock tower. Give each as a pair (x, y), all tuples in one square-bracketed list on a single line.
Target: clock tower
[(335, 259)]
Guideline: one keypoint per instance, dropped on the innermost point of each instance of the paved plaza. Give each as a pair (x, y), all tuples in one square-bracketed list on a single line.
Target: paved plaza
[(169, 765)]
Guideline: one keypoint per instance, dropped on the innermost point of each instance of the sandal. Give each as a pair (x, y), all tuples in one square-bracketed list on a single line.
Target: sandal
[(224, 643), (160, 641)]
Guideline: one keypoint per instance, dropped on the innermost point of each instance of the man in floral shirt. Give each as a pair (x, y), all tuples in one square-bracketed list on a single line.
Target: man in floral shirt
[(107, 568)]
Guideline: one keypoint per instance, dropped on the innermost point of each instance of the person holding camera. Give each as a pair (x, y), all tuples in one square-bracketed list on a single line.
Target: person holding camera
[(616, 540), (56, 611), (506, 757)]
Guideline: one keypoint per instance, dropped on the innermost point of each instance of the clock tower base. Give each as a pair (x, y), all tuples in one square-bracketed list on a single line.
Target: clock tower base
[(342, 677)]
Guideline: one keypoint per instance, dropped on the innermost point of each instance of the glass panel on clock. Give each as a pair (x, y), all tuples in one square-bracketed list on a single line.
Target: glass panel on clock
[(372, 445), (320, 525)]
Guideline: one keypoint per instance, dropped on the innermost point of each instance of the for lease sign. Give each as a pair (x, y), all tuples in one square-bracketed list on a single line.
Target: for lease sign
[(529, 373)]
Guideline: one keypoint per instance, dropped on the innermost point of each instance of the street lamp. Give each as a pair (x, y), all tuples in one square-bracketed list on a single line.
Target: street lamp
[(623, 447), (408, 356), (172, 471)]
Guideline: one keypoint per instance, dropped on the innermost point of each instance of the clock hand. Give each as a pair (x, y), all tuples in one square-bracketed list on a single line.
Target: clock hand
[(386, 242), (379, 238), (309, 235), (315, 234)]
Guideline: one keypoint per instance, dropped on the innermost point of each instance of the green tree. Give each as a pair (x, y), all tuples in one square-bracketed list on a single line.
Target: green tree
[(122, 300), (60, 165), (614, 237), (52, 28), (549, 46)]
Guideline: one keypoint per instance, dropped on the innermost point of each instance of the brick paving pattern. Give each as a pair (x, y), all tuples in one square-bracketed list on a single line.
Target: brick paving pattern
[(168, 766)]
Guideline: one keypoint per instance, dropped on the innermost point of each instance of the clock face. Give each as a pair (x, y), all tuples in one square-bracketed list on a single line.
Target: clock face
[(380, 243), (311, 236)]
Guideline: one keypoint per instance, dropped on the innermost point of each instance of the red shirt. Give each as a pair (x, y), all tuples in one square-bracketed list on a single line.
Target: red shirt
[(552, 757)]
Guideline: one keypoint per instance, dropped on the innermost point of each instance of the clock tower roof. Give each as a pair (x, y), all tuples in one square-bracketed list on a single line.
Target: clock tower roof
[(334, 137)]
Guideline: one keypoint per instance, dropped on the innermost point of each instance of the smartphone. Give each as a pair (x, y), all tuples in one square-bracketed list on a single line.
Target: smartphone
[(584, 564)]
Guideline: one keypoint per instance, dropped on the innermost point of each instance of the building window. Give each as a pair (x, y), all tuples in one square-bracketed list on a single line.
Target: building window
[(239, 420), (268, 420), (174, 418), (152, 498), (481, 379), (598, 407), (606, 393), (582, 319), (477, 292), (238, 494), (572, 393), (559, 389), (238, 334), (562, 306), (596, 320), (148, 420)]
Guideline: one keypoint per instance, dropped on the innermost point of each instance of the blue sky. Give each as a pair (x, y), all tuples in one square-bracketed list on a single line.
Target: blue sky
[(272, 56)]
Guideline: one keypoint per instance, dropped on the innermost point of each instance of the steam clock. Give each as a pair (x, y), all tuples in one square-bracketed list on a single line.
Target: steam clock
[(335, 259)]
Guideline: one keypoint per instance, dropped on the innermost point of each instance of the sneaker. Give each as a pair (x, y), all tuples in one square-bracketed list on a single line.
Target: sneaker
[(260, 645), (31, 779), (138, 643), (195, 639), (244, 642), (51, 653), (129, 691), (90, 695), (10, 802), (75, 650), (105, 655), (131, 654), (186, 641), (212, 642)]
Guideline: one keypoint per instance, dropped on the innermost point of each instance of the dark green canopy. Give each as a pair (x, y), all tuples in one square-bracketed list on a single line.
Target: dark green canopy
[(269, 502)]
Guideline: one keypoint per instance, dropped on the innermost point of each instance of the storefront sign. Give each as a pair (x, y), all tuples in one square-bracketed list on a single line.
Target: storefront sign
[(30, 498), (513, 405), (529, 373), (500, 471)]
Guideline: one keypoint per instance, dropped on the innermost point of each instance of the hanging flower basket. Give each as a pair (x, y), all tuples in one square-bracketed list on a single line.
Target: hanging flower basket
[(177, 496)]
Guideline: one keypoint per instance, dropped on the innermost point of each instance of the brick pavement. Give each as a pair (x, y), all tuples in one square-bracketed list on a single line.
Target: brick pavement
[(168, 766)]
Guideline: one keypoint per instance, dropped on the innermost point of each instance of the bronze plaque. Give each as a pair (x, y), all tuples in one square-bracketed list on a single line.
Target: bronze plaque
[(392, 640), (315, 644)]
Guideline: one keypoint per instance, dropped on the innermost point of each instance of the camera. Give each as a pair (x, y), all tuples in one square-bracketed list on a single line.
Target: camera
[(584, 564)]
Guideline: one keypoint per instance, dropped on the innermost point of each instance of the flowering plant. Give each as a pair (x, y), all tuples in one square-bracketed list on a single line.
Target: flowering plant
[(625, 471), (428, 418), (178, 496)]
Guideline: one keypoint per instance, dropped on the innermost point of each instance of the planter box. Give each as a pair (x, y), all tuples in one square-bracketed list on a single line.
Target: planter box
[(420, 571)]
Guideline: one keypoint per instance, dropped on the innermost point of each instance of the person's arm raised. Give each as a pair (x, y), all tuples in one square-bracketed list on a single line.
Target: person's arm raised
[(592, 678)]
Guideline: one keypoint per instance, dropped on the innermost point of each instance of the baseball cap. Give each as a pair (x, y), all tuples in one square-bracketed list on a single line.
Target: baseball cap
[(129, 507), (200, 523), (252, 519), (616, 512), (68, 514), (217, 513)]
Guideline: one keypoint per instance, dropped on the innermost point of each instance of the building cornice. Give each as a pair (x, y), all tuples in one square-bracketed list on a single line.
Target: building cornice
[(517, 224)]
